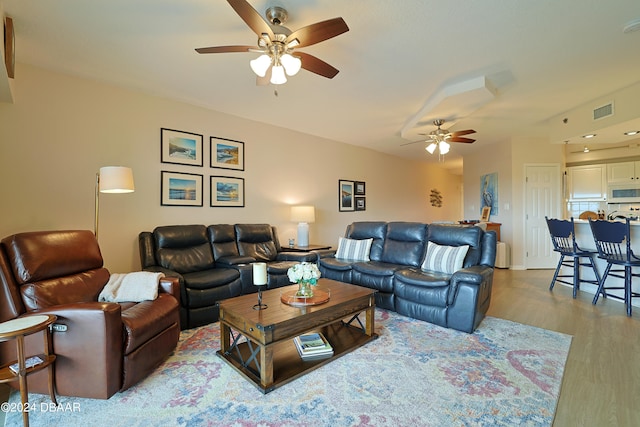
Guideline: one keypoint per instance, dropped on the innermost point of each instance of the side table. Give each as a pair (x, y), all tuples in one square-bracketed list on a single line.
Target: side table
[(17, 329)]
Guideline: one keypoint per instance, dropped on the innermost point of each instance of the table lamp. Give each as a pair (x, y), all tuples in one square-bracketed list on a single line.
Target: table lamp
[(259, 280), (303, 215)]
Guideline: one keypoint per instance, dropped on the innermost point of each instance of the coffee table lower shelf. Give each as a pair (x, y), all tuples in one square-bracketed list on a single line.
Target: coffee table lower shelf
[(287, 363)]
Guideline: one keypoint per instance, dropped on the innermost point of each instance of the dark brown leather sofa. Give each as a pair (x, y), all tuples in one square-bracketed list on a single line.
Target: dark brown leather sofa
[(101, 347), (214, 263)]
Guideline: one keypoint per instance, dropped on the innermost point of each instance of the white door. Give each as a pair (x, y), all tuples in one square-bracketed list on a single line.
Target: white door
[(542, 198)]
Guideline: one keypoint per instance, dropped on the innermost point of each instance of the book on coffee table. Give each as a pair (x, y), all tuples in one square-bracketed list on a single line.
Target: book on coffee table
[(313, 346)]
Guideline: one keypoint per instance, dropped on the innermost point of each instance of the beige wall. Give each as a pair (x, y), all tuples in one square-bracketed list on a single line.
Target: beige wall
[(60, 130), (508, 159)]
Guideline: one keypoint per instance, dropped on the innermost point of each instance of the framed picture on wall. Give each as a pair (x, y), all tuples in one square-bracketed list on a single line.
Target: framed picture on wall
[(227, 154), (361, 203), (181, 148), (227, 191), (346, 201), (180, 189), (360, 188)]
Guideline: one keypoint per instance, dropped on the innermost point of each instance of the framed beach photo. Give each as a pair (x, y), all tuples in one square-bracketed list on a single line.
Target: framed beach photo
[(180, 148), (227, 191), (346, 201), (180, 189), (227, 154)]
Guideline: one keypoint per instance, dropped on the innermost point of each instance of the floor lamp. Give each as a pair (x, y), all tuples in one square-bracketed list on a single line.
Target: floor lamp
[(112, 179), (303, 215)]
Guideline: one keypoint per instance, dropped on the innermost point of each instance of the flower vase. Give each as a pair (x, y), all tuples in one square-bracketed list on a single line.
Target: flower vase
[(304, 289)]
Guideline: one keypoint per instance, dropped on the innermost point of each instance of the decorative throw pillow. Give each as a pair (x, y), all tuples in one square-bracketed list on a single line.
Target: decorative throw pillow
[(357, 250), (444, 259)]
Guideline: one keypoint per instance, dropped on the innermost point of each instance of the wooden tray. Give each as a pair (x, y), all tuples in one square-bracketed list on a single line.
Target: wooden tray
[(290, 298)]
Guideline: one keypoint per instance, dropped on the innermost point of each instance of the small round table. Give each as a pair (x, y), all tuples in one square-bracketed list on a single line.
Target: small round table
[(18, 329)]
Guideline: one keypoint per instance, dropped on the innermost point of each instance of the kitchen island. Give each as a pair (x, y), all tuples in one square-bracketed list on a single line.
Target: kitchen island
[(584, 238)]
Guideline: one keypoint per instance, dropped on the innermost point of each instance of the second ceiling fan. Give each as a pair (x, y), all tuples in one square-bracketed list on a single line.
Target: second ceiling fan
[(276, 43), (440, 138)]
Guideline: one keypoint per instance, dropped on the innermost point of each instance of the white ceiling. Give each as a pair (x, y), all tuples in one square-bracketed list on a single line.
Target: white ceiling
[(541, 57)]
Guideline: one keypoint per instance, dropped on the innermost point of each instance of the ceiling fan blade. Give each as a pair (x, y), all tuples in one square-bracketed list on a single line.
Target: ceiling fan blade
[(463, 132), (426, 141), (225, 49), (315, 65), (252, 18), (318, 32), (460, 139)]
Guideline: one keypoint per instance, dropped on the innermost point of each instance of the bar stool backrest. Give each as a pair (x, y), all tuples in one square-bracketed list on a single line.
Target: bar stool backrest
[(562, 235), (612, 239)]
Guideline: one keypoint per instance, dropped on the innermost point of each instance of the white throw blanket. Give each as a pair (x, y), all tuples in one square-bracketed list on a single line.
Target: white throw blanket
[(131, 287)]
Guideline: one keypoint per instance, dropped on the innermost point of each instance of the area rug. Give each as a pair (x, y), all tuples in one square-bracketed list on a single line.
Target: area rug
[(414, 374)]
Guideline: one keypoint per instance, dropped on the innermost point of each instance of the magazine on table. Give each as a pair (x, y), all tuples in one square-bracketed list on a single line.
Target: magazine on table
[(313, 345), (29, 363)]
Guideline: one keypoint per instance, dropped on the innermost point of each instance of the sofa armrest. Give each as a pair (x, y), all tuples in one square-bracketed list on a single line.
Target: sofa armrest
[(89, 352), (475, 276), (229, 261), (297, 256), (469, 297), (326, 253)]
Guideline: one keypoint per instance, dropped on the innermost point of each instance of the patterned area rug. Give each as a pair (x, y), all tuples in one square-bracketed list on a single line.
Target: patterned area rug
[(414, 374)]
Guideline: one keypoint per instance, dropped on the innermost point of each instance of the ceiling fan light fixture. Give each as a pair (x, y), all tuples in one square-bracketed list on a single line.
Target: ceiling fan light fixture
[(277, 75), (444, 147), (260, 65), (431, 147), (291, 64)]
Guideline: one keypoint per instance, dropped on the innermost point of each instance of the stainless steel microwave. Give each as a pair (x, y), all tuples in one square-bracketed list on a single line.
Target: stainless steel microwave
[(624, 193)]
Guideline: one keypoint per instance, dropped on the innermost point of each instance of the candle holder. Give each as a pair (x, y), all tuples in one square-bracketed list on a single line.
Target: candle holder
[(259, 280)]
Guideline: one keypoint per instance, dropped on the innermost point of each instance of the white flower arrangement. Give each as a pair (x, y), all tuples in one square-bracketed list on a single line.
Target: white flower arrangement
[(304, 272)]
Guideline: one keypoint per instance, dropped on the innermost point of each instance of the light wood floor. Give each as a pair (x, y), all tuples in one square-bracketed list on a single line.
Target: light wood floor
[(601, 384)]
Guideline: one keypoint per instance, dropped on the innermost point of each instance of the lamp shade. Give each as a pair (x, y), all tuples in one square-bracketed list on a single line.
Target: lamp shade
[(277, 75), (303, 214), (444, 147), (260, 65), (116, 179), (291, 64)]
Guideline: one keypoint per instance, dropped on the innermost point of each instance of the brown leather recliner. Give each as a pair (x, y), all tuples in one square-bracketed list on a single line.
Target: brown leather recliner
[(107, 347)]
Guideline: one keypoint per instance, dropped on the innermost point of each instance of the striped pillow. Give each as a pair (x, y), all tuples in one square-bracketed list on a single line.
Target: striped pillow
[(357, 250), (444, 259)]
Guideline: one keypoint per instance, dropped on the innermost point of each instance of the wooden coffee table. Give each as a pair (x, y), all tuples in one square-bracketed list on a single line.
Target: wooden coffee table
[(259, 343)]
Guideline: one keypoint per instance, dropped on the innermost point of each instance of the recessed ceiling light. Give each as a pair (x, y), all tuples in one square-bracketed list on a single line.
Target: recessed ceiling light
[(590, 135), (586, 149), (632, 132)]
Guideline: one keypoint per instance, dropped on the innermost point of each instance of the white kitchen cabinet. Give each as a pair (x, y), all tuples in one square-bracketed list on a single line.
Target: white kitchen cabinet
[(587, 183), (623, 173)]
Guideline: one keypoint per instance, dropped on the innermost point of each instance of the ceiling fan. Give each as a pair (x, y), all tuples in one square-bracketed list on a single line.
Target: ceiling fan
[(440, 138), (276, 43)]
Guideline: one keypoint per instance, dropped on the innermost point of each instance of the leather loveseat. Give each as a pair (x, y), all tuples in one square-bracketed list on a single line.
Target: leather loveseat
[(399, 268), (101, 347), (213, 263)]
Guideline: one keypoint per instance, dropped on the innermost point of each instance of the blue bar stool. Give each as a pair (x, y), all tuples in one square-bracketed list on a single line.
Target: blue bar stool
[(613, 240), (563, 237)]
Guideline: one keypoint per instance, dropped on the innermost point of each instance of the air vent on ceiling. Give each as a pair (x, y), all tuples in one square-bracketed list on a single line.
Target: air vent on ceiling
[(603, 111)]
